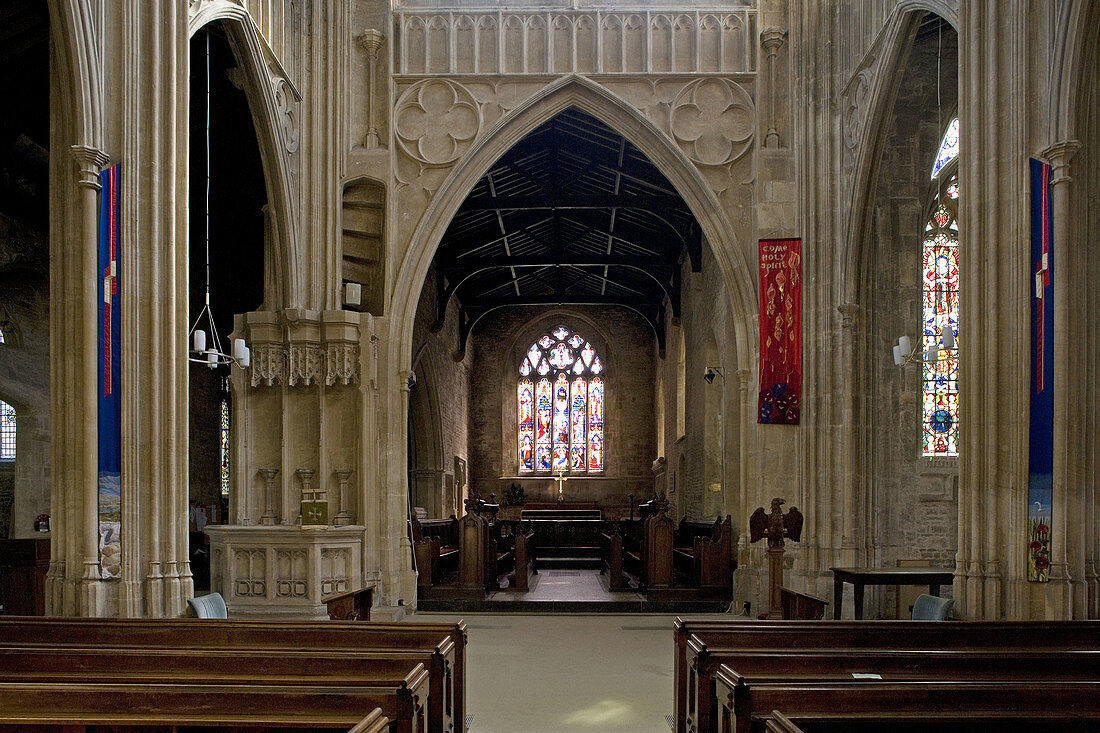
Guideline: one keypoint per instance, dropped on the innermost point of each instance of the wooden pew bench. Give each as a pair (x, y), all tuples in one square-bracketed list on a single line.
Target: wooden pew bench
[(163, 708), (903, 664), (524, 557), (798, 606), (702, 553), (747, 706), (1038, 637), (440, 646), (436, 547), (921, 722)]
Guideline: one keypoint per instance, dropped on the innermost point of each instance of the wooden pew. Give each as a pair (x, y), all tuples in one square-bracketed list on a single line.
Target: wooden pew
[(746, 706), (778, 635), (353, 605), (798, 606), (435, 546), (920, 722), (524, 557), (702, 552), (442, 645), (147, 708), (761, 665), (648, 558)]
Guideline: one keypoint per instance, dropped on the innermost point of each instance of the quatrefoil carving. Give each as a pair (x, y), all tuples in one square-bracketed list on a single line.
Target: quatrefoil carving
[(436, 121), (714, 121)]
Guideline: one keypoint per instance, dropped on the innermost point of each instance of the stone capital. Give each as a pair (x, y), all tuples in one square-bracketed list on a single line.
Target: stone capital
[(90, 162), (1059, 155), (743, 376), (371, 40), (772, 39)]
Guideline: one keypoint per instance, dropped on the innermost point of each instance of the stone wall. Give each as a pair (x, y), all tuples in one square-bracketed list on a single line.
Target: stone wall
[(627, 347), (438, 409), (914, 503)]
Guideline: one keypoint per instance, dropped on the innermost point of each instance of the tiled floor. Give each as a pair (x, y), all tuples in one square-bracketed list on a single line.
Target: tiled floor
[(565, 585), (567, 674)]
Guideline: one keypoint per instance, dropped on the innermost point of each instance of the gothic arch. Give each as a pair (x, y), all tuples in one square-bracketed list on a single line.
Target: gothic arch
[(273, 101), (895, 41), (570, 91), (75, 46), (1074, 45)]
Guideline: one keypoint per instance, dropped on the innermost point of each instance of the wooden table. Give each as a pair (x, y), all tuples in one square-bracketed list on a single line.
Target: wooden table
[(860, 577)]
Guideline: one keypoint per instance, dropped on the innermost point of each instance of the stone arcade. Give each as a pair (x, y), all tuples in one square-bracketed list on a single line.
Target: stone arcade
[(422, 190)]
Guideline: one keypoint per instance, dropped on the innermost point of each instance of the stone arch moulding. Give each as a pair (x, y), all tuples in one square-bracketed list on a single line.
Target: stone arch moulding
[(882, 76), (274, 102), (596, 100), (72, 23), (1071, 48), (424, 364)]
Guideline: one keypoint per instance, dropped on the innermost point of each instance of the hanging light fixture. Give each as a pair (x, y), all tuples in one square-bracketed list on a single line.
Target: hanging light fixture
[(905, 354), (204, 352)]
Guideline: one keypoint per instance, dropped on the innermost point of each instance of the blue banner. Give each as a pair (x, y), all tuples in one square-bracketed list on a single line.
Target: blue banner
[(110, 403), (1041, 454)]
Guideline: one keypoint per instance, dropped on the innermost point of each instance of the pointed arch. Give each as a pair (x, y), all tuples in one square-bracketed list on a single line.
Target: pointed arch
[(272, 99), (895, 42), (596, 100)]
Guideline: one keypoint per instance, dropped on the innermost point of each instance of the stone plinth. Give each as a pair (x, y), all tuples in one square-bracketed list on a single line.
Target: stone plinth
[(283, 572)]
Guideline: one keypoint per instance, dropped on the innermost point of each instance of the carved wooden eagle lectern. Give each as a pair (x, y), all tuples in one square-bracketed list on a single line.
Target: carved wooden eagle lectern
[(777, 525)]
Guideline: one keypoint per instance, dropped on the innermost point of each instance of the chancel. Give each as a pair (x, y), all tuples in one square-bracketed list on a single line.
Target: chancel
[(445, 306)]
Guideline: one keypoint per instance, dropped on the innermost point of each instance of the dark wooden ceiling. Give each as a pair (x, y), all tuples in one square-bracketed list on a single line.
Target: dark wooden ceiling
[(573, 214)]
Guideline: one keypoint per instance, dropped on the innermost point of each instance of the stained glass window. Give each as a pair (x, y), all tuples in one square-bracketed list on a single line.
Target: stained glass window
[(7, 432), (949, 147), (2, 336), (560, 405), (224, 442), (940, 270)]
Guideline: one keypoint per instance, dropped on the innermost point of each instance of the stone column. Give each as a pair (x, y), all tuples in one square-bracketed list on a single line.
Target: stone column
[(995, 278), (150, 41), (372, 40), (269, 517), (343, 516), (86, 404), (1066, 572), (771, 40)]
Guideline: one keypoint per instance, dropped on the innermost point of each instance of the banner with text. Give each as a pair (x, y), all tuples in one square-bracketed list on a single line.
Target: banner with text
[(110, 402), (1041, 430), (780, 331)]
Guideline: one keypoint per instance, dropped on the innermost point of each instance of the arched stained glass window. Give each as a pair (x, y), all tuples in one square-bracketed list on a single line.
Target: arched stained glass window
[(940, 278), (223, 441), (2, 336), (7, 432), (560, 405), (949, 147)]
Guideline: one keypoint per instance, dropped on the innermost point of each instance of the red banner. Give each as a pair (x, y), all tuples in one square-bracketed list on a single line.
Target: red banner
[(780, 331)]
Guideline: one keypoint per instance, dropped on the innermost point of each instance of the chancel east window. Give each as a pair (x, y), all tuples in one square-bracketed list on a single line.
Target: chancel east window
[(7, 432), (560, 405), (940, 277)]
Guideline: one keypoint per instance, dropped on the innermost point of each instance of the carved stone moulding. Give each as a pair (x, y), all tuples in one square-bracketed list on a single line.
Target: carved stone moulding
[(436, 120), (713, 121), (301, 348)]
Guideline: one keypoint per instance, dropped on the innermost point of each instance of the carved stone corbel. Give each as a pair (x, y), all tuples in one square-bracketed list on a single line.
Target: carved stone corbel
[(268, 365), (341, 363), (304, 364)]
